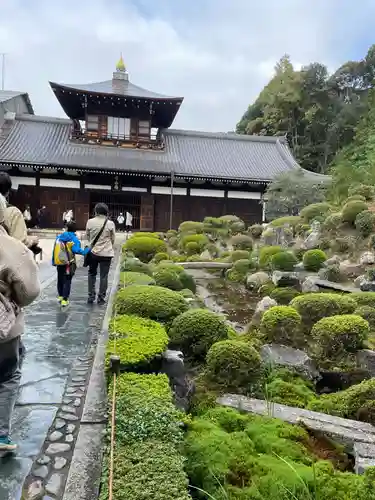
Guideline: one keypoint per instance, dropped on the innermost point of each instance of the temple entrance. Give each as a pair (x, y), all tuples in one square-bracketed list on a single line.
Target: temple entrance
[(118, 203)]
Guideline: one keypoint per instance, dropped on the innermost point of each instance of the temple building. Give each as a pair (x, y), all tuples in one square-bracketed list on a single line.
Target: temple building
[(117, 146)]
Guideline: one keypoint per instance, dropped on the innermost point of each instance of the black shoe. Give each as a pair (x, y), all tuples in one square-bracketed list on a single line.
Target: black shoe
[(101, 302), (90, 301)]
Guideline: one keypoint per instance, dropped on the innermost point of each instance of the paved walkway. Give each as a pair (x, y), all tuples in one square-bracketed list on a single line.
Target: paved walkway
[(60, 347)]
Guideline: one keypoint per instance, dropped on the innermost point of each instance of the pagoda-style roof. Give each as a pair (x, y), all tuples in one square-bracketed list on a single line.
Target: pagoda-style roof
[(102, 98), (35, 141)]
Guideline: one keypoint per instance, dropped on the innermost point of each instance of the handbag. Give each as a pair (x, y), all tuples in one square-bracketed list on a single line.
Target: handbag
[(88, 257), (8, 315)]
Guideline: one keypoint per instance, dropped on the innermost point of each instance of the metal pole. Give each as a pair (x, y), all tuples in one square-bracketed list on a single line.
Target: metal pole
[(171, 202), (3, 71)]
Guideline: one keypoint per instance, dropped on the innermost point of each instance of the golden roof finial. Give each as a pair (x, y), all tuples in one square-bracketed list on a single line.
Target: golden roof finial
[(120, 66)]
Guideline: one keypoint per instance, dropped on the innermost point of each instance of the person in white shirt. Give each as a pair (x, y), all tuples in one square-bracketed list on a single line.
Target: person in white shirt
[(69, 216), (27, 216), (128, 222), (120, 222)]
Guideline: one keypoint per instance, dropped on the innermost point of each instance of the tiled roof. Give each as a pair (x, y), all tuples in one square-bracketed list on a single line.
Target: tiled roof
[(106, 88), (7, 95), (45, 141)]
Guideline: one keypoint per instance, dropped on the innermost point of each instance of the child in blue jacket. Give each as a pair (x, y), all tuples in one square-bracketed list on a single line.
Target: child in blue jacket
[(67, 245)]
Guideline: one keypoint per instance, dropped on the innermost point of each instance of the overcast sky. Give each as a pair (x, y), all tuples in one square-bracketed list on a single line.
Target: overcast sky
[(217, 54)]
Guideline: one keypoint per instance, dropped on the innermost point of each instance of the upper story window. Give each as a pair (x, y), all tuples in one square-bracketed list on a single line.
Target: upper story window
[(118, 127)]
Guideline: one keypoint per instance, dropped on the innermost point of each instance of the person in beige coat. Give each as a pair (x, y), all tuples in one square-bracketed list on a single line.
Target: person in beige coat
[(102, 252), (19, 283)]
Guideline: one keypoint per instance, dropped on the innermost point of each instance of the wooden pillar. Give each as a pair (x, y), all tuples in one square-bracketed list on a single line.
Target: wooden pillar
[(147, 212)]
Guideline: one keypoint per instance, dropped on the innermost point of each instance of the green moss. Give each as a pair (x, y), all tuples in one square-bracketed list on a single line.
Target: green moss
[(313, 260), (281, 325), (367, 313), (291, 220), (131, 278), (367, 191), (364, 298), (136, 340), (351, 209), (242, 242), (153, 302), (168, 279), (240, 255), (159, 257), (132, 264), (284, 295), (196, 227), (145, 247), (315, 211), (266, 254), (283, 261), (200, 241)]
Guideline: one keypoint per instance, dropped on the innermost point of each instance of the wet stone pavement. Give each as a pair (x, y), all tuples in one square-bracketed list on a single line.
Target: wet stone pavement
[(60, 346)]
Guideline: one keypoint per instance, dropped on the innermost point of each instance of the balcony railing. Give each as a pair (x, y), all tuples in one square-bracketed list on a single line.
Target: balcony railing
[(154, 141)]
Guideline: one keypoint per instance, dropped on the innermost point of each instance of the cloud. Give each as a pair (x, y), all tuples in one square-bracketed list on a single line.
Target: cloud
[(217, 54)]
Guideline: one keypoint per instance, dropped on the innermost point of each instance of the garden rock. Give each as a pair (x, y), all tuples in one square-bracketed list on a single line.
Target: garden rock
[(294, 359), (367, 258), (367, 286), (256, 280), (335, 259), (283, 278), (299, 267), (351, 269), (173, 366), (309, 285), (366, 360), (313, 239), (358, 281), (206, 255), (364, 455), (262, 306)]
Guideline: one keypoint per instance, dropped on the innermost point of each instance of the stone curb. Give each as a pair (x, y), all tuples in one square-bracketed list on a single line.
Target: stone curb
[(83, 480)]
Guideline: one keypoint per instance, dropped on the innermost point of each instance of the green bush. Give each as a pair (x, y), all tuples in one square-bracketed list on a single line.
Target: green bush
[(234, 223), (239, 255), (242, 266), (355, 197), (367, 313), (130, 278), (365, 223), (188, 294), (287, 388), (196, 227), (192, 248), (159, 257), (343, 244), (233, 364), (147, 235), (145, 247), (186, 279), (315, 211), (171, 233), (199, 239), (357, 402), (333, 222), (364, 298), (136, 340), (290, 220), (266, 289), (266, 253), (256, 231), (331, 273), (134, 265), (352, 209), (283, 261), (362, 189), (168, 278), (338, 335), (173, 242), (242, 242), (314, 306), (284, 295), (196, 330), (313, 260), (281, 325), (153, 302)]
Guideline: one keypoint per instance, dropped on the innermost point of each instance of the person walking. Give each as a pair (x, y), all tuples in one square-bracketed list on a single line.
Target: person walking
[(66, 247), (120, 222), (27, 216), (101, 235), (128, 222), (19, 287)]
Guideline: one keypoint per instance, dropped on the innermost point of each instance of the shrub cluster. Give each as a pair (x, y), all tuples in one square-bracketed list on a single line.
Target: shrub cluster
[(265, 255), (159, 257), (153, 302), (284, 295), (239, 255), (242, 242), (333, 221), (364, 190), (200, 241), (281, 325), (256, 231), (191, 226), (283, 261), (196, 330), (314, 259), (367, 313), (316, 211), (365, 223), (145, 234), (145, 247), (331, 273), (135, 265), (136, 340), (351, 210), (185, 279), (131, 278), (290, 220), (364, 298)]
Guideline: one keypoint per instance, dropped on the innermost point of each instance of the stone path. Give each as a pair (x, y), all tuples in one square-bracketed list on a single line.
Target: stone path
[(60, 346)]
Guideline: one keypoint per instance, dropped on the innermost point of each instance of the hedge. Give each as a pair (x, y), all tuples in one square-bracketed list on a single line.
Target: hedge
[(283, 261), (281, 325), (160, 256), (168, 279), (136, 340), (367, 313), (313, 260), (153, 302), (256, 231), (315, 210), (135, 265), (314, 306), (145, 247), (364, 298), (196, 330), (159, 236), (131, 278), (186, 279), (284, 295)]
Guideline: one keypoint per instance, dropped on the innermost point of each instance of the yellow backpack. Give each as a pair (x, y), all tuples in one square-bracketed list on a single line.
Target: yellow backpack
[(62, 253)]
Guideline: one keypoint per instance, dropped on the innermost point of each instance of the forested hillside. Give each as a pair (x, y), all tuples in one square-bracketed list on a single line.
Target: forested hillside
[(317, 111)]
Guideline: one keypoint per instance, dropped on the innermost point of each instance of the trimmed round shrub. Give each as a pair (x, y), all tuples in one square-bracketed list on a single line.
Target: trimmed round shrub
[(192, 248), (315, 211), (188, 294), (266, 254), (186, 279), (133, 264), (284, 295), (233, 364), (256, 231), (364, 190), (145, 247), (281, 325), (173, 242), (266, 289), (365, 223), (313, 260), (367, 313), (168, 279), (200, 240), (333, 221), (130, 278), (355, 197), (331, 273), (147, 235), (242, 266), (196, 330), (291, 220), (239, 255), (314, 306), (364, 298), (170, 233), (190, 225), (352, 209), (283, 261), (153, 302), (338, 335), (160, 256), (242, 242)]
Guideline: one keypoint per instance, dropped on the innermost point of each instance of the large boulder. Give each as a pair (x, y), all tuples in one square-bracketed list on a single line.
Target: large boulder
[(334, 260), (351, 269), (255, 280), (288, 357), (284, 278), (367, 258), (367, 286), (366, 360), (205, 255), (309, 285)]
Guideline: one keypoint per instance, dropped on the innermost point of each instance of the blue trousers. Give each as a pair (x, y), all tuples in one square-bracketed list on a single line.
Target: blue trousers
[(64, 282)]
